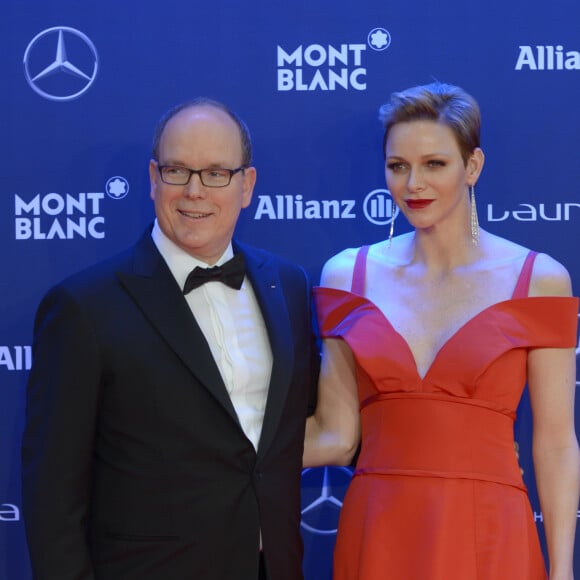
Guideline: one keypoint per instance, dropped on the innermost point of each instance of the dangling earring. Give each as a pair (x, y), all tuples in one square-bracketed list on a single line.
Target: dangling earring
[(392, 230), (474, 220)]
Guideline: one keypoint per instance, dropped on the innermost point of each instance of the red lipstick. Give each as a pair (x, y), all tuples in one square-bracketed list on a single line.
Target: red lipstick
[(418, 203)]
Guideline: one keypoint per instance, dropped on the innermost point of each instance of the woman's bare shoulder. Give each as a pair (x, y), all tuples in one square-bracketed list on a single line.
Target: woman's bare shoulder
[(337, 271), (549, 278)]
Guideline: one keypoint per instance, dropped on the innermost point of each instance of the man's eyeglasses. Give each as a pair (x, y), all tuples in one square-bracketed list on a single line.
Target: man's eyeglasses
[(214, 177)]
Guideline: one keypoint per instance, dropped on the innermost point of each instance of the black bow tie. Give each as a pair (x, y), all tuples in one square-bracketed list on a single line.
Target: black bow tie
[(231, 273)]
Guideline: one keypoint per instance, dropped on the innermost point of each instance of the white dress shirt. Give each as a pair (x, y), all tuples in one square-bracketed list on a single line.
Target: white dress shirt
[(233, 326)]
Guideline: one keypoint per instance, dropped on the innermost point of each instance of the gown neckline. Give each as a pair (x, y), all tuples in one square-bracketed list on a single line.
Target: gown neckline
[(446, 344)]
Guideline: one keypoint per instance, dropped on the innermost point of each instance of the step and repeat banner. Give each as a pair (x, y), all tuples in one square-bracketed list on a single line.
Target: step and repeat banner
[(84, 83)]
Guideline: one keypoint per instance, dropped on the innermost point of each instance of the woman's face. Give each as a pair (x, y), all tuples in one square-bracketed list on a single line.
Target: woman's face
[(426, 174)]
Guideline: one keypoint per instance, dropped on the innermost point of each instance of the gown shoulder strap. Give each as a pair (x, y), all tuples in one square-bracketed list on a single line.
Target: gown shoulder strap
[(359, 272), (523, 284)]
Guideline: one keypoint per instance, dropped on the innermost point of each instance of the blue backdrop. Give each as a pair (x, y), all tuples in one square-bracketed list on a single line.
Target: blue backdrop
[(83, 84)]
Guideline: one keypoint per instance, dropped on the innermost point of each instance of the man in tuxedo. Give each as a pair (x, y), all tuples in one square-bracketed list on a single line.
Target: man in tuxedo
[(170, 385)]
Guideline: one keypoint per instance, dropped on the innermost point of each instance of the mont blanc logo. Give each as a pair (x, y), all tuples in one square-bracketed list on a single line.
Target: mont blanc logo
[(379, 208), (117, 187), (61, 63), (328, 67), (323, 490), (379, 39), (65, 216), (48, 216)]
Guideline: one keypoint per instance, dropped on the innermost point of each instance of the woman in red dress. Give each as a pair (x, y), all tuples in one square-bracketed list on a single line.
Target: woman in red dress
[(429, 340)]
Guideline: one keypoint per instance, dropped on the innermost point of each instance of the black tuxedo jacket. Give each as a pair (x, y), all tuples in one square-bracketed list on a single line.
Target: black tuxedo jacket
[(135, 466)]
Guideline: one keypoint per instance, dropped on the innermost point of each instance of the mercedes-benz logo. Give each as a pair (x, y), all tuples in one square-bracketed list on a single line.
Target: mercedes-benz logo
[(47, 67), (323, 490)]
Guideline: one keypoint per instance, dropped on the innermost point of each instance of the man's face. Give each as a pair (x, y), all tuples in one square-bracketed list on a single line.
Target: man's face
[(200, 219)]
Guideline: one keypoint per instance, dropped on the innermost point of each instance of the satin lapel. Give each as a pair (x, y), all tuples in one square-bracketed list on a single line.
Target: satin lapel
[(155, 291), (263, 275)]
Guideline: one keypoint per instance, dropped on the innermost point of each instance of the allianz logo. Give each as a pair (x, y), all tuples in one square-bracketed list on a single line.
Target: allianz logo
[(547, 57), (294, 207), (377, 207), (15, 358)]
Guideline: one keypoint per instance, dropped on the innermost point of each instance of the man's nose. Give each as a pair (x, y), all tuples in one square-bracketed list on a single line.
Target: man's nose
[(195, 187)]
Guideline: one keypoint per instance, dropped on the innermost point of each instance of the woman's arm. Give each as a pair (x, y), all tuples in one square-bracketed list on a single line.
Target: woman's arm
[(551, 382), (333, 432)]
